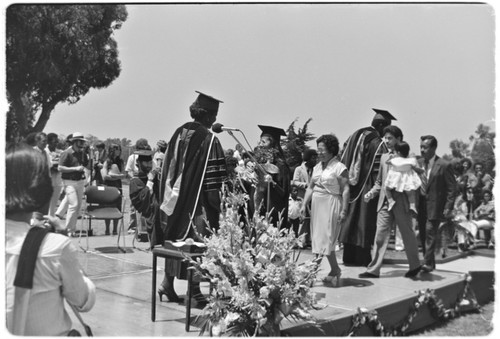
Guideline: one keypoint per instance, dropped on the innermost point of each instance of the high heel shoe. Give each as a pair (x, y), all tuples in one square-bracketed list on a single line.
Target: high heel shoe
[(169, 293), (329, 279)]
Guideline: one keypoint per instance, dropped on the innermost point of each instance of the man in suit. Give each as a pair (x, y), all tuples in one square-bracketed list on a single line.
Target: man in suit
[(399, 214), (438, 198)]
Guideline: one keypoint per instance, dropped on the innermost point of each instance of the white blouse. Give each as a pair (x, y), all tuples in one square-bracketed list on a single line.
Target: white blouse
[(57, 276)]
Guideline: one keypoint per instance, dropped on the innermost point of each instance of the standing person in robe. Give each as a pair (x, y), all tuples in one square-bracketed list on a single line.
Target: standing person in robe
[(361, 156), (192, 175), (270, 156)]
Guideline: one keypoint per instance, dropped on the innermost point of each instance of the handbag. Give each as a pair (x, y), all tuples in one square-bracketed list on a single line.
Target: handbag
[(23, 282)]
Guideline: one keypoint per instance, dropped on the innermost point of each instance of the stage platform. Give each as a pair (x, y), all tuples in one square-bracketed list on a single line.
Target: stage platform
[(123, 281)]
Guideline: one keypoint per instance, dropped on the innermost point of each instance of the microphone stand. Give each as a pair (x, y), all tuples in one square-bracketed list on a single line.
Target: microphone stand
[(260, 167)]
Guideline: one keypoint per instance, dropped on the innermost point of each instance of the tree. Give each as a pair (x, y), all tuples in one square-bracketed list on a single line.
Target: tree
[(57, 53), (483, 147), (295, 143), (459, 149)]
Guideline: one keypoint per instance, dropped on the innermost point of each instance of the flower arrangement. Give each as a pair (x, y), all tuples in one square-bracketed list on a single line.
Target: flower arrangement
[(256, 277)]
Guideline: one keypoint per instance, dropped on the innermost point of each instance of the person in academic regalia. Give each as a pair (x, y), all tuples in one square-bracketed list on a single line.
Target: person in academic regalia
[(276, 177), (361, 156), (192, 175)]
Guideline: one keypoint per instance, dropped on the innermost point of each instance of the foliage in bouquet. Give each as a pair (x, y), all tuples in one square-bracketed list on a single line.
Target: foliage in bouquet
[(256, 276)]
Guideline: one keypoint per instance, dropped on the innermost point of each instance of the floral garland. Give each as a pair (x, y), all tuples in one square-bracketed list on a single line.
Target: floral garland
[(465, 302)]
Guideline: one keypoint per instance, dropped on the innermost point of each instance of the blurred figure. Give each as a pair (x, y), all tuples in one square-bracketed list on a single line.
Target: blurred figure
[(160, 154), (301, 179), (294, 206), (112, 176), (131, 171), (55, 175), (57, 275), (100, 156), (484, 217)]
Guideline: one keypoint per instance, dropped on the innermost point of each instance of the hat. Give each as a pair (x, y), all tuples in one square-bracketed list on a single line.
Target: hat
[(162, 144), (274, 132), (207, 102), (381, 114), (145, 154), (77, 136)]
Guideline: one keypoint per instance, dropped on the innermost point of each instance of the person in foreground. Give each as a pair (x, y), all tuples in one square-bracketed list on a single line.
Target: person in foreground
[(329, 191), (398, 213), (57, 274), (440, 192), (192, 175)]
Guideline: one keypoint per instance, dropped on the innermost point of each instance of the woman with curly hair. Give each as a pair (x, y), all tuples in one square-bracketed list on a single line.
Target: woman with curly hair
[(112, 175), (329, 191)]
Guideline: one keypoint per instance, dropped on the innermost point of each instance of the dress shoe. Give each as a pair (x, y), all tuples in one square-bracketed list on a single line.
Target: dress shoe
[(412, 273), (426, 268), (367, 275), (170, 293)]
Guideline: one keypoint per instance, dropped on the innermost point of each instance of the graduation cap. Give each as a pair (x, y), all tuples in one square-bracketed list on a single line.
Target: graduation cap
[(274, 132), (144, 154), (207, 102), (381, 114)]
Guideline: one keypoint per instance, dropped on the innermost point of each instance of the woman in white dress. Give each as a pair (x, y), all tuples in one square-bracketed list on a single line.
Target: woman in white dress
[(329, 191)]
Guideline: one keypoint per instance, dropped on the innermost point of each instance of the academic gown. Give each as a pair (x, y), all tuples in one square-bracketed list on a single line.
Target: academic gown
[(362, 159)]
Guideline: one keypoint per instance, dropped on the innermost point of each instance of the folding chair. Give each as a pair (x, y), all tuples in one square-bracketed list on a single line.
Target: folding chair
[(101, 205)]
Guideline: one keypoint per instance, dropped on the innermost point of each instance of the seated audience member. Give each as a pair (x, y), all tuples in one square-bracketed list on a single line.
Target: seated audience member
[(131, 170), (484, 217), (100, 156), (57, 275), (111, 173)]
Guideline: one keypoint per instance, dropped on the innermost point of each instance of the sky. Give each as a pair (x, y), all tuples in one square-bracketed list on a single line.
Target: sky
[(430, 65)]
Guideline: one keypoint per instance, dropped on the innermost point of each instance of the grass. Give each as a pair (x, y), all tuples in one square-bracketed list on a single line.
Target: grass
[(469, 324)]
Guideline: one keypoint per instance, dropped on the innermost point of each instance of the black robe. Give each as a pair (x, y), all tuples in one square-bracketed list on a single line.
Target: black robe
[(146, 202), (358, 231), (186, 165)]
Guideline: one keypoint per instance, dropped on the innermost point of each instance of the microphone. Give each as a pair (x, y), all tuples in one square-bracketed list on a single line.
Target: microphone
[(218, 128)]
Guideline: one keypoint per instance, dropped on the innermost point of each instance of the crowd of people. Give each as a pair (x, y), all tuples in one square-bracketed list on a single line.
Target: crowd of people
[(352, 196)]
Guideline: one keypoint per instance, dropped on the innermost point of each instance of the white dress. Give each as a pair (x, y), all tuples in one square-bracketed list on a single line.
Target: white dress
[(400, 176), (326, 206)]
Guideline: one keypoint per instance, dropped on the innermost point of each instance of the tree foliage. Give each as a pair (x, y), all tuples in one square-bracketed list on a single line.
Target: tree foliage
[(295, 143), (57, 53), (483, 147), (480, 149)]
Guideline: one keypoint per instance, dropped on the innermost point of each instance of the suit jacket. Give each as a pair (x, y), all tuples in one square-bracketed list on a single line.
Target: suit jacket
[(379, 187), (440, 189)]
